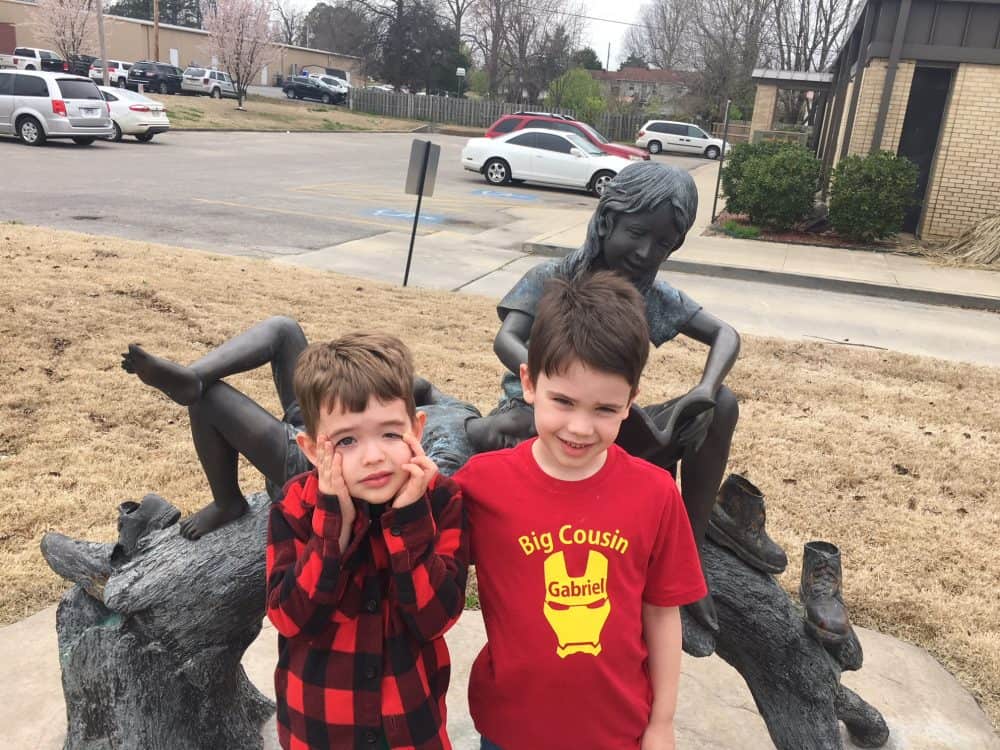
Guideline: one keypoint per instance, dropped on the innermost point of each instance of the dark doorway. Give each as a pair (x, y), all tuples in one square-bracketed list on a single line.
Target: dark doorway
[(921, 126)]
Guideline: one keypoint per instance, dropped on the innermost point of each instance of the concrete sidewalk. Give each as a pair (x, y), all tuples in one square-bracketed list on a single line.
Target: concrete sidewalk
[(924, 706)]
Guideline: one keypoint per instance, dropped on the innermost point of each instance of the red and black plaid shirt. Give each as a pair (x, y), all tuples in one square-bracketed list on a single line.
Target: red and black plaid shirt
[(360, 650)]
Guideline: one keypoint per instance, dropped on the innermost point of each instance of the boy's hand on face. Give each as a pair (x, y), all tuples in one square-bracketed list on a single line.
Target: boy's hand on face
[(659, 736), (331, 478), (421, 470)]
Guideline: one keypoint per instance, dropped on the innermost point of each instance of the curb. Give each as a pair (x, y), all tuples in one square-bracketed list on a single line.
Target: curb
[(819, 283), (285, 131)]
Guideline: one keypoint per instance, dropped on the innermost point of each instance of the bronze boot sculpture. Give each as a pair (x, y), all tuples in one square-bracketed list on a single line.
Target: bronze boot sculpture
[(737, 523), (819, 592)]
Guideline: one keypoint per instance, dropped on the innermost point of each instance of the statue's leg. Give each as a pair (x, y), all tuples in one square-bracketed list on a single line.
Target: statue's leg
[(278, 341), (224, 424), (702, 470)]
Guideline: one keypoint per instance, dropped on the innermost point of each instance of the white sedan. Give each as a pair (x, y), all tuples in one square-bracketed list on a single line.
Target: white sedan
[(135, 114), (546, 156)]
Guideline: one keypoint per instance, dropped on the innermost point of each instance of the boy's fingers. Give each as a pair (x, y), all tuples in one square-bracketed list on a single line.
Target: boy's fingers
[(415, 446)]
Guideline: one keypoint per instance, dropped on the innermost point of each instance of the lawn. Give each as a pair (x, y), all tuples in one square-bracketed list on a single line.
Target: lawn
[(893, 457)]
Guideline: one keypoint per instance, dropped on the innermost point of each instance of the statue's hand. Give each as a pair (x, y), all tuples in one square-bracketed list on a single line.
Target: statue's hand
[(692, 416)]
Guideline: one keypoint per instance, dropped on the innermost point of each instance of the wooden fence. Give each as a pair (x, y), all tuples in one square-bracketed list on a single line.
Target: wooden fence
[(739, 131), (476, 113)]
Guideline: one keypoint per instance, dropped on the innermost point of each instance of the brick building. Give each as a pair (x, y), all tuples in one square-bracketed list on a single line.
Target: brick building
[(920, 78), (663, 87), (132, 39)]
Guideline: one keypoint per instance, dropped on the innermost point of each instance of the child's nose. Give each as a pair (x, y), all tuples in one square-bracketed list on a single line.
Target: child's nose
[(373, 452), (579, 424)]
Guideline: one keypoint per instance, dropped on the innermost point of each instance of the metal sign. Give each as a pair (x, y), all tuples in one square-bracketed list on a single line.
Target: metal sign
[(420, 178)]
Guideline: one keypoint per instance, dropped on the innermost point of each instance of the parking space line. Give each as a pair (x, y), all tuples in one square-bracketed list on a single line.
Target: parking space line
[(311, 215), (446, 199)]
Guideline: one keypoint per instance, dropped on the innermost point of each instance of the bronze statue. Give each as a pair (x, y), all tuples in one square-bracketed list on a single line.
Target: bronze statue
[(643, 218), (226, 423)]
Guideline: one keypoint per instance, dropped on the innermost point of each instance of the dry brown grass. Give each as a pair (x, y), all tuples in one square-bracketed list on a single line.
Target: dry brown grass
[(202, 112), (893, 457)]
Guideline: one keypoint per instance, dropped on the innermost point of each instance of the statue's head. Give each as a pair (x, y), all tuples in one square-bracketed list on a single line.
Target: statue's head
[(642, 218)]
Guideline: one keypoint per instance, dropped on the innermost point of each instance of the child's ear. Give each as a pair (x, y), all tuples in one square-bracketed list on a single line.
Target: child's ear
[(308, 446), (527, 385), (419, 422)]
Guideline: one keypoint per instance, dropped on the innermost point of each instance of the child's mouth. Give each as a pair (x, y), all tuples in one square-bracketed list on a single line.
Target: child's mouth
[(377, 480), (572, 448)]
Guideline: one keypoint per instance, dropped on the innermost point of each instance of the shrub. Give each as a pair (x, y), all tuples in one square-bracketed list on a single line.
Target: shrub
[(740, 231), (732, 172), (870, 195), (778, 189)]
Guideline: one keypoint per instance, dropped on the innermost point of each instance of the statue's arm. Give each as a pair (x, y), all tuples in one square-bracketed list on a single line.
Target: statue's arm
[(511, 342), (724, 347)]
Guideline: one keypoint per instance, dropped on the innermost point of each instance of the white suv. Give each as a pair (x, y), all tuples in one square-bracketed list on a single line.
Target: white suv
[(215, 83), (117, 72), (682, 137)]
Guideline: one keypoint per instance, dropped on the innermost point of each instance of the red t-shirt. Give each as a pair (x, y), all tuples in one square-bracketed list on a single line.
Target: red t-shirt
[(563, 571)]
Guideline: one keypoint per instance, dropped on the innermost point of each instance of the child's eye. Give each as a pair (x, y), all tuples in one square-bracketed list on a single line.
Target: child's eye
[(345, 442), (562, 401), (393, 436), (607, 410)]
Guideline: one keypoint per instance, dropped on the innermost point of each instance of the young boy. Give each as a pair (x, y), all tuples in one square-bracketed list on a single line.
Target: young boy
[(366, 560), (583, 552)]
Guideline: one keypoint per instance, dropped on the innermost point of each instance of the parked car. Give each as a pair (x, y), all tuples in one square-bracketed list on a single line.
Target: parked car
[(155, 76), (380, 87), (335, 83), (79, 65), (563, 124), (209, 81), (682, 137), (117, 72), (301, 87), (564, 159), (38, 105), (33, 58), (135, 114), (7, 61)]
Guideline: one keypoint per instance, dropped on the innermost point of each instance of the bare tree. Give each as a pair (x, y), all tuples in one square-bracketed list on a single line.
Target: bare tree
[(807, 33), (663, 36), (290, 23), (67, 25), (456, 11), (240, 36), (489, 32)]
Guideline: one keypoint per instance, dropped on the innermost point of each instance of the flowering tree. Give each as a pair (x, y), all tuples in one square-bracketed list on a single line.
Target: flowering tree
[(67, 25), (240, 33)]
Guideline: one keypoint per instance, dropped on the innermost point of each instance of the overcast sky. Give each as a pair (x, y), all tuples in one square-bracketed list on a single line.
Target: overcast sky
[(599, 34)]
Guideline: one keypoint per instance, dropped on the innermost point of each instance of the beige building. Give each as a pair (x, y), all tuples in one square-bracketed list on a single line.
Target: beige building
[(920, 78), (643, 86), (131, 39)]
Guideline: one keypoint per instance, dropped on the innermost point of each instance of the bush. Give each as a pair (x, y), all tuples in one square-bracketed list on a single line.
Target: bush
[(870, 195), (732, 172), (777, 188)]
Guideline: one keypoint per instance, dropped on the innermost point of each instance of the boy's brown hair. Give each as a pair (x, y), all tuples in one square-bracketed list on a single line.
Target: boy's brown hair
[(598, 319), (348, 371)]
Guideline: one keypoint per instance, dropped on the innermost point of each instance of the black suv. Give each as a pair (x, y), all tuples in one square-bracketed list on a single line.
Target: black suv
[(79, 65), (301, 87), (156, 77)]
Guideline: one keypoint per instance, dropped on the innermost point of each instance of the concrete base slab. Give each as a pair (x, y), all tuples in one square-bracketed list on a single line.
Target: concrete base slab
[(925, 707)]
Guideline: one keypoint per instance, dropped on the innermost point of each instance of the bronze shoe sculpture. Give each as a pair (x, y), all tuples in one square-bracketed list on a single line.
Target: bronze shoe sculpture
[(819, 592), (136, 520), (737, 523)]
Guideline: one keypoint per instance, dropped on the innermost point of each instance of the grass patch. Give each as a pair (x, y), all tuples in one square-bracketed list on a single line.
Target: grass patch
[(263, 113), (890, 456), (741, 231)]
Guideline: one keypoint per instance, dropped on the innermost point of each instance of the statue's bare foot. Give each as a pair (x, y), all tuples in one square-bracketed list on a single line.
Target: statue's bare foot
[(210, 518), (176, 381)]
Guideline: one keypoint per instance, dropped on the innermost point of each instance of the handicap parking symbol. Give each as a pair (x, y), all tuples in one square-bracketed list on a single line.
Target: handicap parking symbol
[(395, 213)]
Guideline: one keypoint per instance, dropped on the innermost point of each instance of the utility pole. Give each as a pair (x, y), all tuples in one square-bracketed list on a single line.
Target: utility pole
[(607, 61), (100, 40), (156, 30)]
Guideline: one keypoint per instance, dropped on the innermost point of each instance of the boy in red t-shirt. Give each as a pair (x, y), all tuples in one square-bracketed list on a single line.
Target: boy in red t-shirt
[(583, 552)]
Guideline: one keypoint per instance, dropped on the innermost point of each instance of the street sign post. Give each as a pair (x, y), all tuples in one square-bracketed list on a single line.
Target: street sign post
[(420, 178)]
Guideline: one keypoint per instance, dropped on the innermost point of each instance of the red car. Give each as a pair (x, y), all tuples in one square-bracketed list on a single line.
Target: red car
[(547, 121)]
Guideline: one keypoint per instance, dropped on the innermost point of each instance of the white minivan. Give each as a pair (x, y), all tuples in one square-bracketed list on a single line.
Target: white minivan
[(683, 137), (36, 106)]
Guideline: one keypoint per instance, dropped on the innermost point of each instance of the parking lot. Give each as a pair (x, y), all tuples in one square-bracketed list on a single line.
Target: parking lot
[(259, 194)]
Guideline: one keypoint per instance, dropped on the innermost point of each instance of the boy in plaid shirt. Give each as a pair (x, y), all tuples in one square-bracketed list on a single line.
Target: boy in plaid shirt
[(366, 560)]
